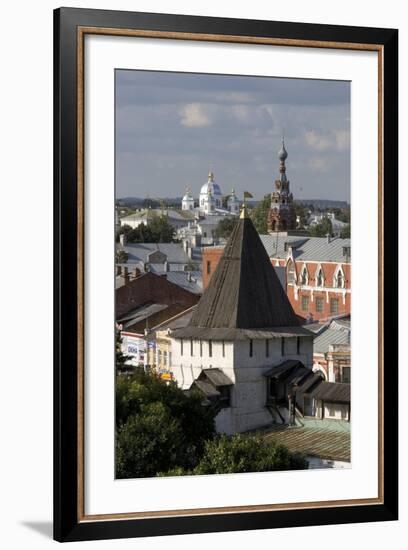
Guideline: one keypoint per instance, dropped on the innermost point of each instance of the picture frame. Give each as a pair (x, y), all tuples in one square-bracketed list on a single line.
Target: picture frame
[(71, 26)]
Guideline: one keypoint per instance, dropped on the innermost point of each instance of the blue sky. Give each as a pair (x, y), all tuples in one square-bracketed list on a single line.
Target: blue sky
[(171, 128)]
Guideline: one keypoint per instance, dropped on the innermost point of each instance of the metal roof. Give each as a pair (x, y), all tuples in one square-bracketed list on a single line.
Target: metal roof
[(140, 314), (336, 332), (319, 249), (244, 291), (182, 278), (138, 252), (333, 392)]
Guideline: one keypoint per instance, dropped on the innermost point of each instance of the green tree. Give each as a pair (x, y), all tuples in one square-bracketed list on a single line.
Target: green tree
[(121, 360), (259, 214), (345, 232), (246, 453), (189, 422), (225, 226), (322, 229), (158, 230), (148, 443), (302, 212)]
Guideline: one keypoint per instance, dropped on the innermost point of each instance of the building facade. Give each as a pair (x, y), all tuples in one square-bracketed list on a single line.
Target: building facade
[(241, 333), (318, 273)]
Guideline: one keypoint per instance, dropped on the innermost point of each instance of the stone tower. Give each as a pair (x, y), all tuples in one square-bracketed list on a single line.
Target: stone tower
[(281, 215)]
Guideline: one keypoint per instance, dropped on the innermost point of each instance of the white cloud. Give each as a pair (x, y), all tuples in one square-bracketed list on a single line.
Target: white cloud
[(338, 140), (318, 142), (318, 164), (342, 140), (195, 115)]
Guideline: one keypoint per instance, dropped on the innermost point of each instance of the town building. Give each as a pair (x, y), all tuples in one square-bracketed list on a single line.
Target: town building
[(143, 303), (281, 215), (242, 337), (317, 272), (332, 351), (158, 257), (143, 216)]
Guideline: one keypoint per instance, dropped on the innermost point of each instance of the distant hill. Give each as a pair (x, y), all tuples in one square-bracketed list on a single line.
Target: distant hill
[(138, 202)]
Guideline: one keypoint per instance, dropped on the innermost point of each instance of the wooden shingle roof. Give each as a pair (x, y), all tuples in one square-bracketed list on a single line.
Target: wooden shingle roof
[(244, 291)]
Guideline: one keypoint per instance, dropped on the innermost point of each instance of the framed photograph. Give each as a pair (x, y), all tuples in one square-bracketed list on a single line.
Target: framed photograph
[(225, 274)]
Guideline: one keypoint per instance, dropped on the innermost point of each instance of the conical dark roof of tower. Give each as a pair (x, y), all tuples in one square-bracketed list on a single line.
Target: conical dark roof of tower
[(244, 291)]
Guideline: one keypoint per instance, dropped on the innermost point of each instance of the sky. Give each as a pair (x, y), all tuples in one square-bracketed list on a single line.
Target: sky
[(172, 128)]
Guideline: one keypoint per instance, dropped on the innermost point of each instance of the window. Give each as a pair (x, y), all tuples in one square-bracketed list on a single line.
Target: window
[(319, 305), (282, 346), (334, 306), (298, 345), (209, 348), (201, 348), (225, 396), (305, 303), (304, 276), (191, 347), (159, 356), (181, 347), (208, 263), (319, 278), (339, 279), (251, 348), (165, 358), (267, 348), (290, 272), (345, 375), (223, 348)]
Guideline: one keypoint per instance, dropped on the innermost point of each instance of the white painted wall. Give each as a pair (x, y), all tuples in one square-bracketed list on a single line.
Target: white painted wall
[(248, 394)]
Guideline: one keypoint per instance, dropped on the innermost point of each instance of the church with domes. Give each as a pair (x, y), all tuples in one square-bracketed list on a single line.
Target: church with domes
[(210, 200)]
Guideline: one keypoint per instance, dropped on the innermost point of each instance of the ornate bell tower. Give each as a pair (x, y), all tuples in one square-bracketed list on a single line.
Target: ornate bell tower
[(281, 215)]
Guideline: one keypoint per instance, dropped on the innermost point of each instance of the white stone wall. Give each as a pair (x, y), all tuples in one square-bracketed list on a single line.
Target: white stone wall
[(248, 396)]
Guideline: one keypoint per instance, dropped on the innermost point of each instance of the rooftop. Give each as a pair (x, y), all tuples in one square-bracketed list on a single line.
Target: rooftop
[(336, 332), (139, 252), (244, 291), (329, 439)]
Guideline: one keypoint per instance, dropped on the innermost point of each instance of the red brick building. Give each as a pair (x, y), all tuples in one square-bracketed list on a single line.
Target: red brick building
[(318, 272)]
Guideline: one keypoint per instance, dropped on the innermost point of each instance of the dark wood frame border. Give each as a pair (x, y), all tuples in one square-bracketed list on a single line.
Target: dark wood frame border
[(70, 27)]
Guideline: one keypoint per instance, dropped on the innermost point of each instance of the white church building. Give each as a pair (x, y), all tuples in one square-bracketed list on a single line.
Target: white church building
[(244, 348), (210, 201)]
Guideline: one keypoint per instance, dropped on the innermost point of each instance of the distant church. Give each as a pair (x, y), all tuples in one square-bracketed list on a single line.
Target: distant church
[(281, 215), (244, 345), (210, 200)]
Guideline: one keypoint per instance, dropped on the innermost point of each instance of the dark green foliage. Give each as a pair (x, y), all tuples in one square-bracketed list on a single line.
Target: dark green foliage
[(321, 229), (158, 230), (120, 358), (225, 227), (242, 453), (303, 212), (148, 442), (143, 400), (259, 214), (345, 232), (246, 453)]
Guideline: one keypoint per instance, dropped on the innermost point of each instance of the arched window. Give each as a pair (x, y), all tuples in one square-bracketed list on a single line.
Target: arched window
[(290, 272), (319, 277), (339, 278), (304, 276)]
